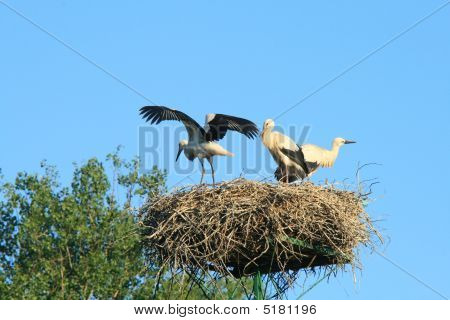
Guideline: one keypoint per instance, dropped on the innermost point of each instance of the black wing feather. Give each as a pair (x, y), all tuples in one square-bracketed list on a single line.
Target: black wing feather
[(221, 123), (291, 177), (312, 166), (298, 157), (156, 114)]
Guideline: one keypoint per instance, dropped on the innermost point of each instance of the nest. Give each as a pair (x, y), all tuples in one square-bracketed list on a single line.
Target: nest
[(244, 227)]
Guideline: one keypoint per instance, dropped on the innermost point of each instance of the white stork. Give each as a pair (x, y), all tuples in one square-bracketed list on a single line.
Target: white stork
[(291, 166), (201, 143), (315, 156)]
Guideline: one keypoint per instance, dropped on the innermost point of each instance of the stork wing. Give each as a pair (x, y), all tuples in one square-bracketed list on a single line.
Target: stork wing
[(217, 125), (283, 141), (314, 156), (156, 114), (292, 177), (298, 157)]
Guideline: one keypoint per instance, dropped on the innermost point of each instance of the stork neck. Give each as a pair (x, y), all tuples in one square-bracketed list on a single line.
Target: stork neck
[(335, 150), (266, 132)]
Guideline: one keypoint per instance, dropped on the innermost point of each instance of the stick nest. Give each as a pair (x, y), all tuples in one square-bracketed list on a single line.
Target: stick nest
[(242, 227)]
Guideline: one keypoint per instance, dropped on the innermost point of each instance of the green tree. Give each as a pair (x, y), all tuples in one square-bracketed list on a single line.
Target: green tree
[(82, 241)]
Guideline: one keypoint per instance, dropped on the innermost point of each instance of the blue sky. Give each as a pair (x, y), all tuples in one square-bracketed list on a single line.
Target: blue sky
[(253, 59)]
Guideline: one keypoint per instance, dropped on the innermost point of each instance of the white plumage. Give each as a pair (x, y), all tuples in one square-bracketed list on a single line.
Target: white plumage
[(201, 143), (298, 162), (316, 156), (286, 153)]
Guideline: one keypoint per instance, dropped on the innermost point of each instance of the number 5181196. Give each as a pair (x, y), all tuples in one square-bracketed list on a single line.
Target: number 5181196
[(282, 309)]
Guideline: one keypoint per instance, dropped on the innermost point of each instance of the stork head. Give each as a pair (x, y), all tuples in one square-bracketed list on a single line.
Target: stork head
[(338, 142), (268, 124), (181, 145)]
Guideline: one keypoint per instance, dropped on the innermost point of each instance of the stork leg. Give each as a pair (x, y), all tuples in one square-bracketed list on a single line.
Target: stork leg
[(281, 174), (203, 170), (212, 170), (286, 175)]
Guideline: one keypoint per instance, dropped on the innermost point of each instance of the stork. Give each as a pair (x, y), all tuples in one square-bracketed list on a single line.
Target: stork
[(291, 164), (315, 156), (201, 143)]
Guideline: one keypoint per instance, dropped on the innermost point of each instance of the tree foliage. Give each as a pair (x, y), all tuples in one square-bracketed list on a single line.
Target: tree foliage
[(82, 241)]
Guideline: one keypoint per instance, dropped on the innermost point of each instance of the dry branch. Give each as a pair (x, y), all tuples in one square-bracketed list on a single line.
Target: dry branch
[(241, 227)]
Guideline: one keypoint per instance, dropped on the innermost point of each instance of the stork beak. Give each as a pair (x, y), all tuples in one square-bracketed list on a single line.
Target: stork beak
[(178, 154), (349, 142)]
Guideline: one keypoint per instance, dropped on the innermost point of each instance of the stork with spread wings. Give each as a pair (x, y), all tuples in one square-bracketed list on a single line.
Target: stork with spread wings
[(201, 140)]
